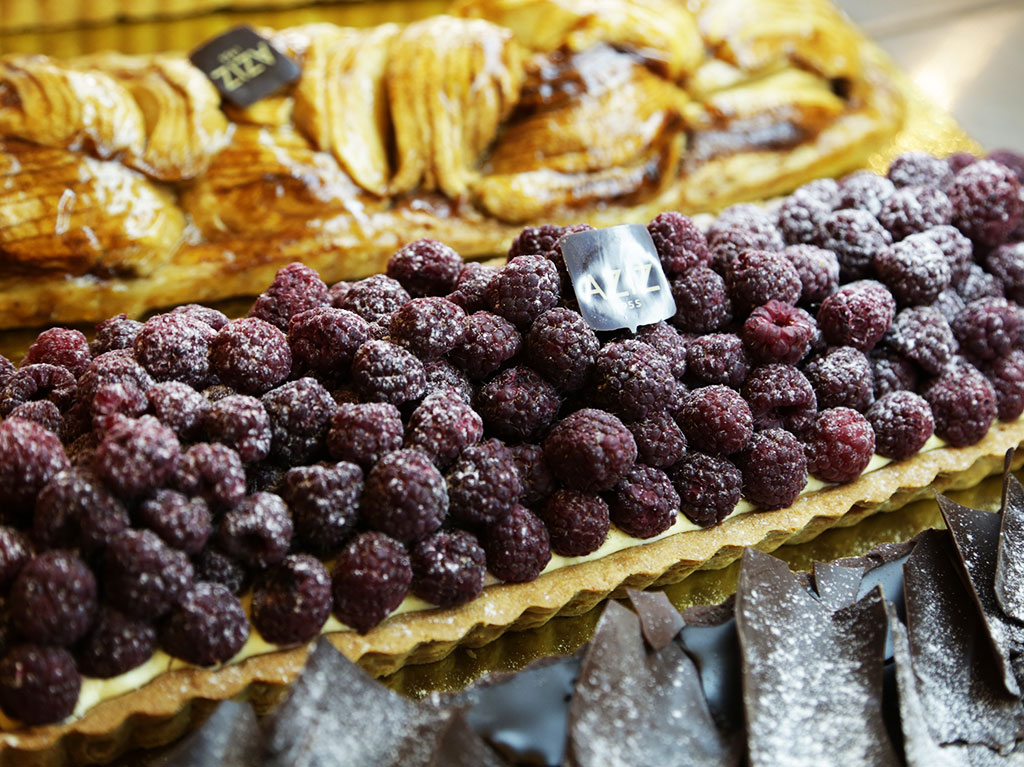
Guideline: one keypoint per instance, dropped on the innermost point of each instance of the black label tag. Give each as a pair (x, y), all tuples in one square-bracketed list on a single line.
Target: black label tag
[(618, 278), (244, 66)]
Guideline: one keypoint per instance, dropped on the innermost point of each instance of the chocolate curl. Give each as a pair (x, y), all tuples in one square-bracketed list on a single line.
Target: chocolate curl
[(837, 585)]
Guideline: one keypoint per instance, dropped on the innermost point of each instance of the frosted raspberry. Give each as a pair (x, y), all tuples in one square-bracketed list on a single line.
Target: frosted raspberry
[(1009, 158), (258, 531), (385, 372), (902, 422), (488, 343), (241, 423), (818, 270), (42, 412), (518, 404), (535, 478), (892, 372), (922, 335), (535, 240), (780, 396), (75, 509), (116, 333), (324, 504), (631, 379), (1006, 263), (960, 160), (471, 287), (955, 247), (137, 456), (175, 347), (1007, 377), (448, 568), (324, 340), (207, 627), (659, 440), (708, 487), (590, 450), (854, 236), (143, 576), (60, 346), (716, 420), (864, 190), (949, 304), (115, 401), (680, 243), (778, 332), (217, 567), (300, 412), (577, 522), (728, 239), (517, 546), (442, 376), (180, 407), (525, 288), (774, 469), (38, 685), (839, 446), (857, 315), (914, 270), (251, 356), (212, 317), (428, 327), (963, 403), (371, 578), (182, 522), (295, 289), (755, 277), (213, 472), (702, 303), (483, 483), (978, 283), (643, 503), (112, 367), (38, 382), (15, 551), (668, 343), (405, 496), (801, 215), (841, 378), (914, 209), (986, 202), (116, 644), (987, 328), (53, 599), (718, 358), (443, 425), (562, 347), (362, 433), (374, 298), (425, 268), (919, 169), (292, 601)]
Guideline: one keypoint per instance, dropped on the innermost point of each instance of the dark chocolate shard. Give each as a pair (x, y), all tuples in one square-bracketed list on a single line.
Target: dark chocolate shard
[(976, 540), (709, 638), (959, 680), (634, 708), (837, 585), (812, 678), (230, 737), (461, 747), (660, 621), (1009, 579)]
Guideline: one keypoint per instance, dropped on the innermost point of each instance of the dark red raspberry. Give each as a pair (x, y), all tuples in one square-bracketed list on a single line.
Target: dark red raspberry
[(801, 215), (716, 420), (668, 343), (728, 239), (1011, 159), (323, 340), (405, 496), (214, 472), (643, 503), (960, 160), (986, 202), (60, 346), (258, 531), (864, 190), (217, 567), (755, 277), (535, 240), (241, 423), (562, 347), (38, 685), (978, 284), (324, 504), (175, 347), (442, 376), (15, 551), (774, 469), (136, 456), (179, 406), (251, 356), (471, 288), (857, 315), (746, 215), (718, 358), (300, 412), (535, 478), (555, 256), (949, 304), (385, 372), (525, 288), (631, 379), (7, 369), (839, 446), (116, 401), (914, 209), (919, 169), (963, 403), (116, 644), (292, 601), (43, 412), (517, 546), (116, 333), (1006, 264), (922, 335), (75, 509), (841, 377), (442, 426), (702, 303), (112, 367), (891, 372), (374, 298), (955, 247), (337, 292), (483, 483), (53, 599), (425, 268), (295, 289), (518, 404), (1007, 377), (488, 343), (182, 522), (681, 245), (428, 327), (708, 487), (818, 270), (902, 422), (371, 578), (38, 382), (214, 318), (577, 522), (590, 450), (207, 627), (448, 568), (142, 575), (987, 328), (659, 440), (778, 332), (780, 396), (914, 270), (855, 236), (362, 433)]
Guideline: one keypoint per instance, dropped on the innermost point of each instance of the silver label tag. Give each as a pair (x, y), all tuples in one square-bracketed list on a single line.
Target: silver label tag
[(618, 278)]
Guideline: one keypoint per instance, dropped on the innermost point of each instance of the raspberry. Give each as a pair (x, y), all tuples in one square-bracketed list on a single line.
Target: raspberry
[(839, 445), (385, 372), (295, 289), (891, 372), (986, 202), (577, 522), (324, 504), (746, 215), (38, 382), (518, 404), (405, 496), (116, 333), (590, 450), (116, 644), (955, 247), (213, 472), (801, 215), (441, 376), (715, 420), (180, 407), (857, 315), (241, 423), (324, 340), (708, 487), (217, 567), (483, 483), (251, 356), (38, 685), (643, 503), (554, 255), (978, 284), (258, 531), (292, 601), (75, 509), (841, 378), (60, 346), (1007, 377), (488, 342), (562, 347), (960, 160), (15, 551), (517, 546), (755, 277), (702, 303), (43, 412), (922, 335), (778, 332), (727, 240), (428, 327), (441, 426), (371, 578), (425, 268), (780, 396), (374, 298), (718, 358), (535, 478), (525, 288), (448, 568), (680, 243), (902, 422), (7, 369), (1012, 160), (207, 627), (137, 456), (300, 412), (915, 209), (337, 292), (854, 236), (864, 190), (535, 240), (175, 347), (919, 169), (112, 367), (182, 522), (963, 403), (362, 433), (659, 440), (212, 317), (914, 270), (471, 287), (632, 379), (987, 328), (774, 469), (668, 343), (115, 401), (53, 599), (817, 269), (1006, 264), (949, 304), (143, 576)]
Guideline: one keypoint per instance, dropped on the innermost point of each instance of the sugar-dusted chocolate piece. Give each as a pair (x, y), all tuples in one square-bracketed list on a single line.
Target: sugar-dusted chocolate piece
[(836, 584), (1009, 576), (230, 737), (660, 622), (460, 746), (632, 707), (709, 638), (808, 671)]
